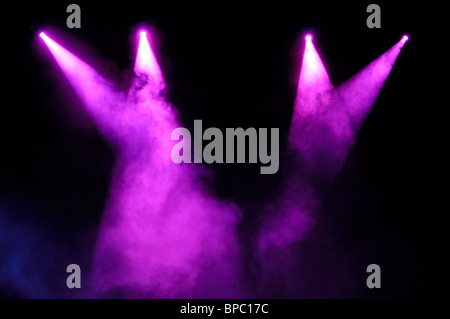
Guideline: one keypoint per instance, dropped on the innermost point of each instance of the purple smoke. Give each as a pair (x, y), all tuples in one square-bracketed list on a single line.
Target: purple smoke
[(162, 234), (323, 130)]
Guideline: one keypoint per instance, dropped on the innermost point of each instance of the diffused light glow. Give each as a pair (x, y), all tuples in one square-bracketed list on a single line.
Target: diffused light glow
[(308, 37)]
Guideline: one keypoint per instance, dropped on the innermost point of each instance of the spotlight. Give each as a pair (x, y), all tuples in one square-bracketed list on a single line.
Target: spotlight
[(143, 34), (405, 38), (308, 37), (42, 35)]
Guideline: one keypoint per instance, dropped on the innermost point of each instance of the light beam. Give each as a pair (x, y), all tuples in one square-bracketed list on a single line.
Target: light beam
[(94, 90)]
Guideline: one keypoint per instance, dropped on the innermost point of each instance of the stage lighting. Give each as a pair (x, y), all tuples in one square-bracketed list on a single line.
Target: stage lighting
[(146, 62), (333, 116), (308, 37)]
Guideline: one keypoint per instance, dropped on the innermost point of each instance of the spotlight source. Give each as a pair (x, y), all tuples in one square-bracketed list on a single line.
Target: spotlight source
[(308, 37), (146, 62)]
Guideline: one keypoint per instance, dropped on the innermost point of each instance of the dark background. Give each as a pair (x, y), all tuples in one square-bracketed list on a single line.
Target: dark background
[(229, 64)]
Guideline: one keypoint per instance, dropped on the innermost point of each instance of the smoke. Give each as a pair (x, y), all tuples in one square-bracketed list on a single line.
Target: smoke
[(163, 234), (24, 272)]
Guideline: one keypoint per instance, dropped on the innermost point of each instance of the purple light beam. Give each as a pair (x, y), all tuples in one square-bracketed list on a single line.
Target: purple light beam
[(95, 91), (162, 234)]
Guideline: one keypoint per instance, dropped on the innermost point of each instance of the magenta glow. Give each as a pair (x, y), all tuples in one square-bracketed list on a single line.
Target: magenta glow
[(405, 38), (314, 82), (97, 93), (323, 130), (145, 59), (159, 224), (163, 234)]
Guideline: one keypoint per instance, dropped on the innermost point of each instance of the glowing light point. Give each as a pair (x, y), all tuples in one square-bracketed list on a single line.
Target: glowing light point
[(143, 34), (308, 38), (405, 38)]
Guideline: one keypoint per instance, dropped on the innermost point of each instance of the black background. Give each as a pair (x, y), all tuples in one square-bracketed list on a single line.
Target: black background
[(234, 64)]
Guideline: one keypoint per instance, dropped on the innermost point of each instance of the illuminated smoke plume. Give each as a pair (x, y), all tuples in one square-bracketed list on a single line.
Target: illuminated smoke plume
[(323, 130), (161, 235)]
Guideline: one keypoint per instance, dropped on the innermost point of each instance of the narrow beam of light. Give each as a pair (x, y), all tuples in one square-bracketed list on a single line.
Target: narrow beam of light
[(163, 222), (149, 78), (282, 227), (358, 94), (83, 77), (95, 91)]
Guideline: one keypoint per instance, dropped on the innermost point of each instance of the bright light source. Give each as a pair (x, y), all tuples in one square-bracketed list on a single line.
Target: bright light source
[(405, 38), (146, 61), (44, 36), (308, 37)]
